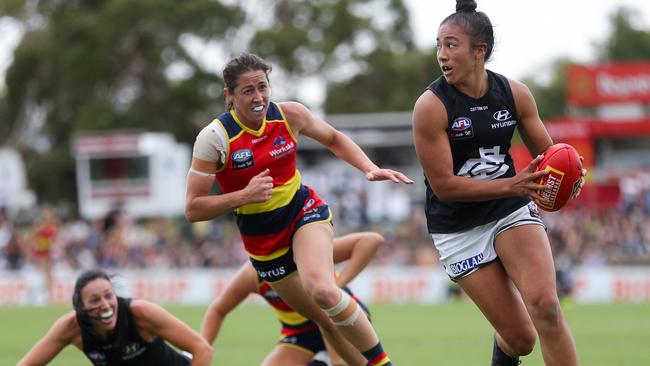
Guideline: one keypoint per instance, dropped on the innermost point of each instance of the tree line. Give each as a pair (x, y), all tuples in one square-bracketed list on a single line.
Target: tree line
[(92, 65)]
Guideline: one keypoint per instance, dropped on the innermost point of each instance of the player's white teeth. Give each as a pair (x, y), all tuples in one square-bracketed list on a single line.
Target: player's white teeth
[(259, 108), (106, 314)]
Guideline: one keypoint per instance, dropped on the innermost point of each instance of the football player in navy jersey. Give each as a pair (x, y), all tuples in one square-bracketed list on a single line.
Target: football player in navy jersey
[(488, 232), (114, 331)]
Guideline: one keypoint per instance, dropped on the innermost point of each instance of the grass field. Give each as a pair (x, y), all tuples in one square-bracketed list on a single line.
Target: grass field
[(444, 335)]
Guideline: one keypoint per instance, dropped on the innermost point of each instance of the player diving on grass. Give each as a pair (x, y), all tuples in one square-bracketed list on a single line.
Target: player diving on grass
[(116, 331)]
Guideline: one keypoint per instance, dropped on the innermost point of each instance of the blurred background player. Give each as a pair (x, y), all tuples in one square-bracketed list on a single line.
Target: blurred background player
[(116, 331), (46, 231), (300, 338)]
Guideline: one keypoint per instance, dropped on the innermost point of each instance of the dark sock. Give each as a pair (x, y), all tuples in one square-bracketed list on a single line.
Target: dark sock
[(500, 358), (376, 356)]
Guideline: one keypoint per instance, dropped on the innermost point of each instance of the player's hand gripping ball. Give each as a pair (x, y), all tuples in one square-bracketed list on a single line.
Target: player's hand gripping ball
[(564, 180)]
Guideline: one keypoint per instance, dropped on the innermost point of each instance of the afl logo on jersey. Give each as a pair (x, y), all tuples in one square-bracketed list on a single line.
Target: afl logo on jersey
[(242, 158), (461, 128)]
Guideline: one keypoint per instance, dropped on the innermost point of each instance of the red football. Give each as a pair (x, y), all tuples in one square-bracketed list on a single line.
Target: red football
[(565, 170)]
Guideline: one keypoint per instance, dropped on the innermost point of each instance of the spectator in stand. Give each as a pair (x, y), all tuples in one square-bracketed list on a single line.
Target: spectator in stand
[(11, 248)]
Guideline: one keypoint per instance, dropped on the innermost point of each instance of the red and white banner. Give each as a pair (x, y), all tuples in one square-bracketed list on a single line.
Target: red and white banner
[(374, 285), (620, 82)]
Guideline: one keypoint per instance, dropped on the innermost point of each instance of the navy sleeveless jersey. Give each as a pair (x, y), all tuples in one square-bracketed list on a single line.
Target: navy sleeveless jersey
[(479, 131), (126, 347)]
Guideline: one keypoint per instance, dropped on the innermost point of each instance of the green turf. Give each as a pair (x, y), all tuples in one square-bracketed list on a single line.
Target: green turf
[(448, 334)]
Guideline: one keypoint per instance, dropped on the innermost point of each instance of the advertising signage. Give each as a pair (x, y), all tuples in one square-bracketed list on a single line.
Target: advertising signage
[(610, 83)]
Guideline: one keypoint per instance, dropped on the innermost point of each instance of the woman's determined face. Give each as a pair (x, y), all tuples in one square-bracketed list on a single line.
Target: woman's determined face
[(455, 53), (250, 99)]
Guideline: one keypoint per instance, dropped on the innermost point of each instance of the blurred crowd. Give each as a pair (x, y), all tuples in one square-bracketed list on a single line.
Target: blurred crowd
[(618, 235)]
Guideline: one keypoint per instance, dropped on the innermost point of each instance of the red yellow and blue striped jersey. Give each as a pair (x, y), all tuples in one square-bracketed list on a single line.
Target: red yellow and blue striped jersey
[(266, 228)]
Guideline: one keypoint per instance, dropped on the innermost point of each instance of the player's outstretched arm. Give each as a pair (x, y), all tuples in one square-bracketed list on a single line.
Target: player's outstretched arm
[(237, 290), (153, 319), (358, 249), (303, 121), (60, 335)]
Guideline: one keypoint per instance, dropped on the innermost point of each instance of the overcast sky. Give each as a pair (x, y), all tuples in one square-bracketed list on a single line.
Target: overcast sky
[(529, 34)]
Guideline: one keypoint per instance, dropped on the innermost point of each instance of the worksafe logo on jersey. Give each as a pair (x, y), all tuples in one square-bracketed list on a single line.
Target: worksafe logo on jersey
[(461, 128), (466, 264), (282, 147), (242, 158)]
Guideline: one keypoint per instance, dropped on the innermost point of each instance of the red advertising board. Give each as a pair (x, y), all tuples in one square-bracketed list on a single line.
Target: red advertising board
[(620, 82)]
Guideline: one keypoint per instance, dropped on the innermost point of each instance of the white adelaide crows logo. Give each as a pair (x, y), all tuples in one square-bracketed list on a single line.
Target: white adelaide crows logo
[(489, 166)]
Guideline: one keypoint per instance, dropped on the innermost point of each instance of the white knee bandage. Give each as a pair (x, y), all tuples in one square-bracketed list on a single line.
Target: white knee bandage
[(342, 305), (349, 321)]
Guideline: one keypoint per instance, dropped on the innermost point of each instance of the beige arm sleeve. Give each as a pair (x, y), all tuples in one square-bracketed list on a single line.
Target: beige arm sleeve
[(211, 144)]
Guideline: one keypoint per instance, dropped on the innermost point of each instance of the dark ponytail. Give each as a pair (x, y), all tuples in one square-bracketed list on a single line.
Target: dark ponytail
[(465, 6), (476, 24)]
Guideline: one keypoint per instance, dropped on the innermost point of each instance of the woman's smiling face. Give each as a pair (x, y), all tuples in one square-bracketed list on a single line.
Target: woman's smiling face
[(100, 303)]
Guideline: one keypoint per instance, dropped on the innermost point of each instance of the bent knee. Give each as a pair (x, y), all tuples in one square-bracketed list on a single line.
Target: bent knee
[(546, 309), (324, 294), (519, 340), (523, 344)]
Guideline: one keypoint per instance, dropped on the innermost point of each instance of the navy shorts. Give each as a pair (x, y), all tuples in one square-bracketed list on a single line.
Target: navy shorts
[(275, 269), (311, 341)]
